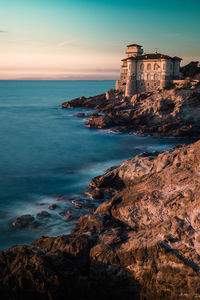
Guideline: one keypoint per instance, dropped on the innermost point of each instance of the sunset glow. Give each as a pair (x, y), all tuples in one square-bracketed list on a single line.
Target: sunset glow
[(86, 39)]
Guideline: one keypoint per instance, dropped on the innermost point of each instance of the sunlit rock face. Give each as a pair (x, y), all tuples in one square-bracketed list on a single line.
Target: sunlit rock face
[(174, 112), (142, 243), (160, 205)]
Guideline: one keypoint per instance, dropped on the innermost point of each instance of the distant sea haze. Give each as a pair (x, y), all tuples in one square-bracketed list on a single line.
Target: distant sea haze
[(88, 74), (46, 151)]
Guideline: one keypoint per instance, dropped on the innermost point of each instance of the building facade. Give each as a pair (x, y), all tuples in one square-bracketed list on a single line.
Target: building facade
[(146, 72)]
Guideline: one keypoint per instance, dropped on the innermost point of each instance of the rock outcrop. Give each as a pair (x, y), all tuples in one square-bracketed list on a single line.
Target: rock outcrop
[(191, 70), (174, 112), (141, 243)]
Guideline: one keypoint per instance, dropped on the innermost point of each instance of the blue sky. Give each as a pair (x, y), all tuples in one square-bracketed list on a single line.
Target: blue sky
[(59, 39)]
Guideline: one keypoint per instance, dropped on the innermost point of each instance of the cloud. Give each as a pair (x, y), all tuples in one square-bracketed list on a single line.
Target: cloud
[(1, 31), (67, 43), (174, 35)]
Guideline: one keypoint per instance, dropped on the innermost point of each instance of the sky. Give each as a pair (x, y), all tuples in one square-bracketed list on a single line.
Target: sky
[(86, 39)]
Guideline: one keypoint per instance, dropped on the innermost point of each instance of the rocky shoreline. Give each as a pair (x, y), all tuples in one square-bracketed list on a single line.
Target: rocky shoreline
[(142, 241), (174, 112)]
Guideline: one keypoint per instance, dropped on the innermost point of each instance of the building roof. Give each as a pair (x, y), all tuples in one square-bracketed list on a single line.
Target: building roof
[(152, 56), (177, 58), (134, 45)]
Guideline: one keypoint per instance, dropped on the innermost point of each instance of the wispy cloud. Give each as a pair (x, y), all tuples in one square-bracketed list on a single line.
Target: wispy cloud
[(2, 31), (174, 35), (67, 43)]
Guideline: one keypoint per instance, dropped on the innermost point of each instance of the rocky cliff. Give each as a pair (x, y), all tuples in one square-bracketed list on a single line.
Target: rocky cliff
[(174, 112), (141, 243)]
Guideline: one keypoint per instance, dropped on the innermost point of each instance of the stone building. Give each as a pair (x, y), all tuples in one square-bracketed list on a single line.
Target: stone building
[(146, 72)]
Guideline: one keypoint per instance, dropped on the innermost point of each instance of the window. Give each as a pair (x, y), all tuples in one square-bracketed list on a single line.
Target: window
[(142, 67), (148, 77), (155, 77), (164, 66), (155, 66), (149, 67), (155, 84)]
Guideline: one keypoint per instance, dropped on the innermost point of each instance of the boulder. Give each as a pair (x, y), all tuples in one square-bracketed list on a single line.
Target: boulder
[(43, 215), (53, 206), (24, 221), (100, 122)]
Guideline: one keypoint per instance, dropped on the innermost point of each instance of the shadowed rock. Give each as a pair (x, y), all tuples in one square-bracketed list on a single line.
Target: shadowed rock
[(174, 112), (142, 243), (25, 221)]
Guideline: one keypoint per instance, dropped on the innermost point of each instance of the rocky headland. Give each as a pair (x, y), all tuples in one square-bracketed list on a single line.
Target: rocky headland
[(174, 112), (142, 242)]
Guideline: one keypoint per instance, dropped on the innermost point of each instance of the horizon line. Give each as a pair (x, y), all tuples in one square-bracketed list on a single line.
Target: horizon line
[(58, 79)]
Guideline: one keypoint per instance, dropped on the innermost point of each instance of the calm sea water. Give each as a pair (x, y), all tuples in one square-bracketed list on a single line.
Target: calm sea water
[(46, 151)]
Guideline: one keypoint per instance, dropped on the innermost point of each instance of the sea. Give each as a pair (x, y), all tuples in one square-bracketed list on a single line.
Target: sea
[(48, 156)]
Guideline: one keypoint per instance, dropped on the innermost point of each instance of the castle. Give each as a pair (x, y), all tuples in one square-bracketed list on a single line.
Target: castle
[(146, 72)]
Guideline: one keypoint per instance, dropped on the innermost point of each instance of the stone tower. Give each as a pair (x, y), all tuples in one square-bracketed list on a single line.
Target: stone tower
[(146, 72), (134, 50)]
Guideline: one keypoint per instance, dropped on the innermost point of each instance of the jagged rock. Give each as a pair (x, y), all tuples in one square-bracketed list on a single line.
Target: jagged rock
[(24, 221), (76, 204), (174, 112), (111, 168), (95, 194), (93, 115), (53, 206), (100, 122), (110, 94), (68, 214), (142, 243)]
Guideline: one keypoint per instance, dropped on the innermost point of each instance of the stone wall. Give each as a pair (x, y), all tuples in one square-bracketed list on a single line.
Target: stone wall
[(147, 75), (148, 85)]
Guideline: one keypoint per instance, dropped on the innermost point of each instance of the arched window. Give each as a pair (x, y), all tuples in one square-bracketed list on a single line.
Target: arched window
[(155, 77), (142, 76), (164, 66), (141, 67), (149, 67), (155, 66), (148, 77)]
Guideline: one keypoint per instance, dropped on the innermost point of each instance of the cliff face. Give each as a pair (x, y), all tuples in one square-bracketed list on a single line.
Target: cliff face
[(142, 243), (174, 112), (160, 205)]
